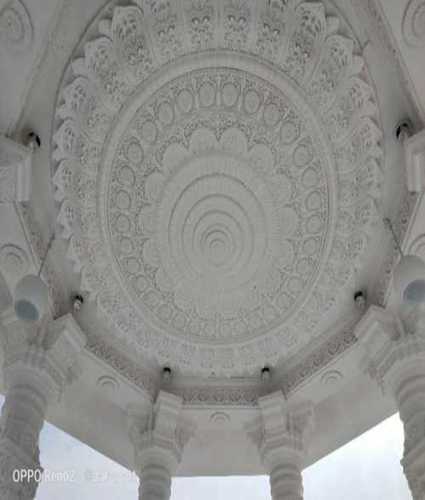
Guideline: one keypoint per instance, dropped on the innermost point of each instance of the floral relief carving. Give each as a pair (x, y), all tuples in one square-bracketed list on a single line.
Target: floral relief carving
[(162, 218), (219, 395)]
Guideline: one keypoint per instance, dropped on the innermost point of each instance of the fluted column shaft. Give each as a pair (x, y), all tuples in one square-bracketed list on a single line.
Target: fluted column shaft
[(409, 392), (286, 482), (410, 397), (22, 419), (155, 482)]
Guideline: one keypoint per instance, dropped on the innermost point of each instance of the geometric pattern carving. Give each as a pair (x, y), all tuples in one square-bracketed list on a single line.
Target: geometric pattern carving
[(217, 201)]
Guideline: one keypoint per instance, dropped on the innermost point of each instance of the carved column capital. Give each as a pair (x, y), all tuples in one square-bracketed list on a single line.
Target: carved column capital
[(394, 344), (15, 171), (280, 434), (159, 437), (414, 149)]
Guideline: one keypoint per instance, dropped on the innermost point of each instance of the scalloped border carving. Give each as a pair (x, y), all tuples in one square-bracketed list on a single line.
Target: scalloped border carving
[(134, 43)]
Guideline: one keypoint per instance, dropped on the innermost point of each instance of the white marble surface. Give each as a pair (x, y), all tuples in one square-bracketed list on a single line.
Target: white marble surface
[(373, 459)]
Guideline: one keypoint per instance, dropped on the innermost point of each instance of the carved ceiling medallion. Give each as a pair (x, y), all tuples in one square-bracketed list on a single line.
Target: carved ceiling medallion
[(216, 201)]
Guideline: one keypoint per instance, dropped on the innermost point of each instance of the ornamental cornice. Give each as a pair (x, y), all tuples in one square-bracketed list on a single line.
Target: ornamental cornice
[(220, 396), (324, 354), (141, 101), (12, 458), (124, 366), (225, 392)]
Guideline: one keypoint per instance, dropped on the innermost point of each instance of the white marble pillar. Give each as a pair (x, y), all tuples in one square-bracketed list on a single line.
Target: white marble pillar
[(155, 472), (395, 358), (280, 435), (36, 371), (285, 477), (159, 438)]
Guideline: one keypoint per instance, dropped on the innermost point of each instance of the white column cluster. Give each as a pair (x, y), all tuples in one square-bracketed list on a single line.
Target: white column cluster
[(159, 438), (36, 370), (280, 435), (395, 358)]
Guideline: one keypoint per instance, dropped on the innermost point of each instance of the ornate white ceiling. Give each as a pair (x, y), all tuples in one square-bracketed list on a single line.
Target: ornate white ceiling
[(229, 118), (218, 168)]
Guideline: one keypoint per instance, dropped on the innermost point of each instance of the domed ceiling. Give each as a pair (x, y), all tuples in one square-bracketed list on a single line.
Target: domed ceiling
[(218, 169)]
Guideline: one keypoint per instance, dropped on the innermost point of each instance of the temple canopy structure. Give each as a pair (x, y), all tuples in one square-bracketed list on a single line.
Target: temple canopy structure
[(203, 204)]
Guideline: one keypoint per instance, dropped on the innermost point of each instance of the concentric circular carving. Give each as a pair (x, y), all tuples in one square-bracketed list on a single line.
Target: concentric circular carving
[(331, 377), (414, 23), (209, 232), (13, 260), (108, 385), (15, 26), (216, 205)]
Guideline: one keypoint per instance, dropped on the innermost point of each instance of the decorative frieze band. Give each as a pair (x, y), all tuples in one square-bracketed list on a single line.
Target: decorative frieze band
[(234, 394)]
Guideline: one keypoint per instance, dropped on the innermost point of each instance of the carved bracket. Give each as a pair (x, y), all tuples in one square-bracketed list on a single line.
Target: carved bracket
[(414, 147), (280, 433), (15, 171), (161, 433)]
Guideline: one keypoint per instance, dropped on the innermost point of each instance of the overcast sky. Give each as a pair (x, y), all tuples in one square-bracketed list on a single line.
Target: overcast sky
[(368, 468)]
